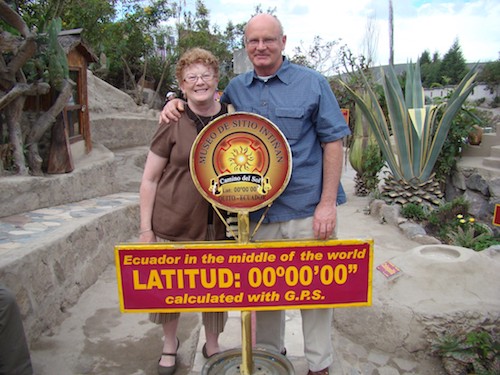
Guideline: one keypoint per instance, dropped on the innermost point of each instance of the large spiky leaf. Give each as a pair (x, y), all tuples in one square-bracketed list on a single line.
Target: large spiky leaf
[(376, 119), (453, 105), (399, 119)]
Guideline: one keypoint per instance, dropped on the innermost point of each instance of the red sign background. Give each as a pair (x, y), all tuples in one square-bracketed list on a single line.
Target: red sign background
[(496, 215), (258, 276)]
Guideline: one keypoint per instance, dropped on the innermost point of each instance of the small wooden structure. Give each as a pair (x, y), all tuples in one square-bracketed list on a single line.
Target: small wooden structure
[(76, 119), (76, 114), (74, 126)]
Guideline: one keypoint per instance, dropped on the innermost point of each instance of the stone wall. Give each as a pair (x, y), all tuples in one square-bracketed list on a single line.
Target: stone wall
[(48, 275), (94, 176), (479, 187)]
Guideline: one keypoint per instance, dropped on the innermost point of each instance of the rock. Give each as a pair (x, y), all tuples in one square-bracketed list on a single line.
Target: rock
[(376, 206), (477, 183), (478, 205), (412, 230), (390, 213), (458, 181), (494, 187), (439, 288), (426, 240)]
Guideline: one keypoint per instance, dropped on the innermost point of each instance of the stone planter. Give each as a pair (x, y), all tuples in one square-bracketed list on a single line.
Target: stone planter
[(439, 288), (476, 135)]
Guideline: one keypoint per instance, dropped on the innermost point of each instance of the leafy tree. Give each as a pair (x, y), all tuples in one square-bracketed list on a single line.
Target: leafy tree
[(131, 41), (425, 58), (322, 57), (195, 30), (234, 35), (91, 15), (453, 67), (447, 71), (33, 65), (490, 75), (430, 69)]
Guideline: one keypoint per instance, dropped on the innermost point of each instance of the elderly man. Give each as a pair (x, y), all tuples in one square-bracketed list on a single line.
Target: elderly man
[(301, 103)]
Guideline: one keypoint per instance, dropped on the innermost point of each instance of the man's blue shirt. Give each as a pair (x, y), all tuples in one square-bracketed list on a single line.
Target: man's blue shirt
[(300, 102)]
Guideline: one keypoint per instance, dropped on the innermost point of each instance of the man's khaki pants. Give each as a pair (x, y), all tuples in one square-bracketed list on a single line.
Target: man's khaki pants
[(316, 323)]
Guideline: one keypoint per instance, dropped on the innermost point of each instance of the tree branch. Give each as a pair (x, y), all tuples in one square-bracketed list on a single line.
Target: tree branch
[(13, 19), (47, 118), (43, 124), (27, 51), (23, 89)]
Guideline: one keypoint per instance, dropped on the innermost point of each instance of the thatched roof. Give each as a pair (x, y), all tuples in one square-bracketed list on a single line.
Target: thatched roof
[(72, 39)]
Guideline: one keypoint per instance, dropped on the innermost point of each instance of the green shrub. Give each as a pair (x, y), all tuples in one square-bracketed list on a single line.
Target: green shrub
[(449, 224), (440, 220), (414, 212), (476, 352)]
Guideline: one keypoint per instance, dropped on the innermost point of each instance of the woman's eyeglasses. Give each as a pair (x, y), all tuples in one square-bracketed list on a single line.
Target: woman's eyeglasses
[(193, 78)]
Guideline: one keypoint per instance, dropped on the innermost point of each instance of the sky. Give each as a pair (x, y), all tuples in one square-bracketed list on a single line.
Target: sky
[(419, 25)]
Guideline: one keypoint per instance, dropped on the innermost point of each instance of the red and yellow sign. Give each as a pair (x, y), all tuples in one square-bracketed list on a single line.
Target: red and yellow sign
[(345, 113), (215, 276), (496, 215), (240, 161)]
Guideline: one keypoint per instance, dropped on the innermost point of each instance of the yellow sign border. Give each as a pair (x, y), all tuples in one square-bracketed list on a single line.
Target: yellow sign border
[(252, 245)]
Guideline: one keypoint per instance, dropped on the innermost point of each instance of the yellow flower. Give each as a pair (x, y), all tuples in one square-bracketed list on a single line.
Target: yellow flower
[(471, 220), (460, 216), (462, 221)]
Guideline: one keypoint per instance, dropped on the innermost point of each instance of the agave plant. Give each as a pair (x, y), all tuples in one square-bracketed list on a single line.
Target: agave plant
[(413, 135)]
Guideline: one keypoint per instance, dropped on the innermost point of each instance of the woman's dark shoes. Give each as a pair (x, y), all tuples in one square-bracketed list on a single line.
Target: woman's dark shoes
[(322, 372), (168, 370), (204, 352)]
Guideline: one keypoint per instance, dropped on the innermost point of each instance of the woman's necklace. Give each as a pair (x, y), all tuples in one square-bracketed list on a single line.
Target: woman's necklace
[(203, 120)]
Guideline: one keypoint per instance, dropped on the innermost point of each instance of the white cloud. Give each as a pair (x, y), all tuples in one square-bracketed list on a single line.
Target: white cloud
[(419, 25)]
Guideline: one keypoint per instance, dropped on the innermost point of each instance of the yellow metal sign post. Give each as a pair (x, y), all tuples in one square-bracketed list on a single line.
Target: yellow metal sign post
[(241, 162), (246, 316)]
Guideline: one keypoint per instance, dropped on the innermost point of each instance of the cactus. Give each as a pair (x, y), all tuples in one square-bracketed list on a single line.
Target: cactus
[(57, 62), (412, 136), (364, 155)]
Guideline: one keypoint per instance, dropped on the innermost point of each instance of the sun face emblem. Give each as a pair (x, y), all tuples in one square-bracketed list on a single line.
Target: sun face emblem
[(241, 159)]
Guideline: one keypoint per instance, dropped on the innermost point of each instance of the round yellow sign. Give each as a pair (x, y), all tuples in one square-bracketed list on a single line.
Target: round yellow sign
[(240, 162)]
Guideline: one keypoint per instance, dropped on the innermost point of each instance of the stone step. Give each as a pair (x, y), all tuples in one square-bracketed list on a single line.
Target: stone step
[(489, 140), (49, 256), (492, 162), (495, 151), (117, 131), (93, 176)]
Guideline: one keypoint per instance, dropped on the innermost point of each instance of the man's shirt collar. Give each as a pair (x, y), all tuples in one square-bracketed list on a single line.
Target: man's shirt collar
[(283, 74)]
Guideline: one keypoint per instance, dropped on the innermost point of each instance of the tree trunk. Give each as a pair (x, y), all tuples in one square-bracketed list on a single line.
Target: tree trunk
[(13, 114), (60, 158), (164, 70), (132, 79), (43, 124), (391, 34)]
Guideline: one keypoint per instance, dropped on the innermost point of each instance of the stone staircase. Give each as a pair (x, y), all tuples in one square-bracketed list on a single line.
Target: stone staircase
[(58, 232), (486, 155), (493, 161)]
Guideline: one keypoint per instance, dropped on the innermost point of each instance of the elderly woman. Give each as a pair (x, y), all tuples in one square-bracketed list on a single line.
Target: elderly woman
[(171, 208)]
